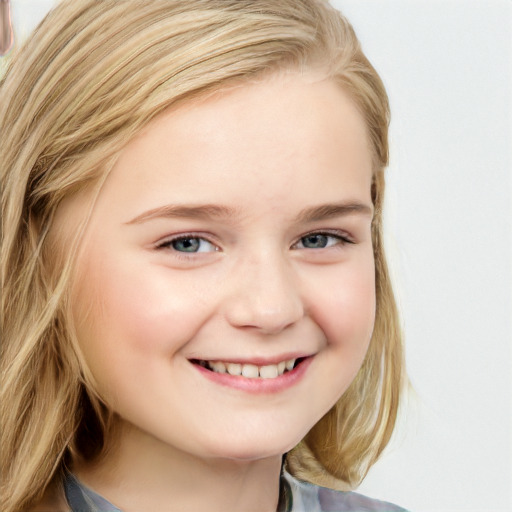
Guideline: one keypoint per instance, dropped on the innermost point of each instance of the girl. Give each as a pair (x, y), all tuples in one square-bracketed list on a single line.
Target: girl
[(197, 311)]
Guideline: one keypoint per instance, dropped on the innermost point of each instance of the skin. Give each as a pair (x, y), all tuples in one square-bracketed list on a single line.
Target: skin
[(257, 288)]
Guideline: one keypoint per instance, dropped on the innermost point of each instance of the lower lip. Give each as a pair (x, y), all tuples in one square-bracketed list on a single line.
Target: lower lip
[(258, 385)]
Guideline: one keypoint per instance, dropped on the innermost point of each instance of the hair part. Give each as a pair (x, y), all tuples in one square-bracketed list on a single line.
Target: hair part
[(89, 79)]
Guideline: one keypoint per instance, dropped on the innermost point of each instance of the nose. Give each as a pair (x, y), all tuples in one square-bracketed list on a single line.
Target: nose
[(264, 296)]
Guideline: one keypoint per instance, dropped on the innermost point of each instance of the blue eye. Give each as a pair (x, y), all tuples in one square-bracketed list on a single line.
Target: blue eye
[(186, 244), (321, 241), (189, 244), (315, 241)]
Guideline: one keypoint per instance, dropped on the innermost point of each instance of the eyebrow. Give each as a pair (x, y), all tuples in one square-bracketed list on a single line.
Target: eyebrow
[(202, 212), (328, 211), (213, 211)]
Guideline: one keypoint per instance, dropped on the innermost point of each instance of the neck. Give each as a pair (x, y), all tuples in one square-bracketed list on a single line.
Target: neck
[(142, 474)]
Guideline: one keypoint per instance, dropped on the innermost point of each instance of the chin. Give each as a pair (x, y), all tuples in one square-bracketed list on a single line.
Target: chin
[(264, 445)]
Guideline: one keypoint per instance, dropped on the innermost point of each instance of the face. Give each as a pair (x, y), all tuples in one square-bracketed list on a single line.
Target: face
[(224, 296)]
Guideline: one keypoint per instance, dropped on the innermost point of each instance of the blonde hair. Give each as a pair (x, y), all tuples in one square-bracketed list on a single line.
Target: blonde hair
[(91, 76)]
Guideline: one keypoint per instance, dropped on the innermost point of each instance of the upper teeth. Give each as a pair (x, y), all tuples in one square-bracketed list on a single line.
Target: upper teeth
[(251, 371)]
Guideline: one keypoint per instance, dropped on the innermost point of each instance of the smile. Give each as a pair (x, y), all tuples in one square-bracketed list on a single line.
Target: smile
[(250, 371), (251, 377)]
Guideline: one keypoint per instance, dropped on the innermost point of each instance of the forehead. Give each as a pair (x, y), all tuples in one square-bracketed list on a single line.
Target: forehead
[(279, 131), (285, 102), (279, 145)]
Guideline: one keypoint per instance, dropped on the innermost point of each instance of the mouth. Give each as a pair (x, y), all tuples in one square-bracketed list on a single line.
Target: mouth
[(250, 371)]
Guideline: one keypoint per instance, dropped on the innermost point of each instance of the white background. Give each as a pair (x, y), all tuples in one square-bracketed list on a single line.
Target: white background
[(447, 66)]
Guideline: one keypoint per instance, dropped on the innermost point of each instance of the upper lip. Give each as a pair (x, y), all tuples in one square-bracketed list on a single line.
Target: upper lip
[(256, 361)]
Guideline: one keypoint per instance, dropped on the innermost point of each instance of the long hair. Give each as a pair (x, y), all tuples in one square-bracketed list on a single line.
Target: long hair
[(90, 78)]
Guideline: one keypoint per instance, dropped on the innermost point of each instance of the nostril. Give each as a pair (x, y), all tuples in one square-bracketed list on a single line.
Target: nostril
[(263, 319)]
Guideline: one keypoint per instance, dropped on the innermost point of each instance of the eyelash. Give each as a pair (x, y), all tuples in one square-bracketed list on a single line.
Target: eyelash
[(167, 244), (341, 237)]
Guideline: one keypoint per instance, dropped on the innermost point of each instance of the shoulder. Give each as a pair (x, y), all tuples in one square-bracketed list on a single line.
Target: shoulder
[(309, 497), (337, 501)]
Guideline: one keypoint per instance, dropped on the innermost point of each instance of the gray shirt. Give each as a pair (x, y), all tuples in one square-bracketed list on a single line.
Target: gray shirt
[(296, 496)]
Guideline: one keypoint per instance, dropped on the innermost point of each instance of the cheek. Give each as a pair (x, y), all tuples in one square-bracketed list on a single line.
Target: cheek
[(345, 308), (342, 305), (133, 317)]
